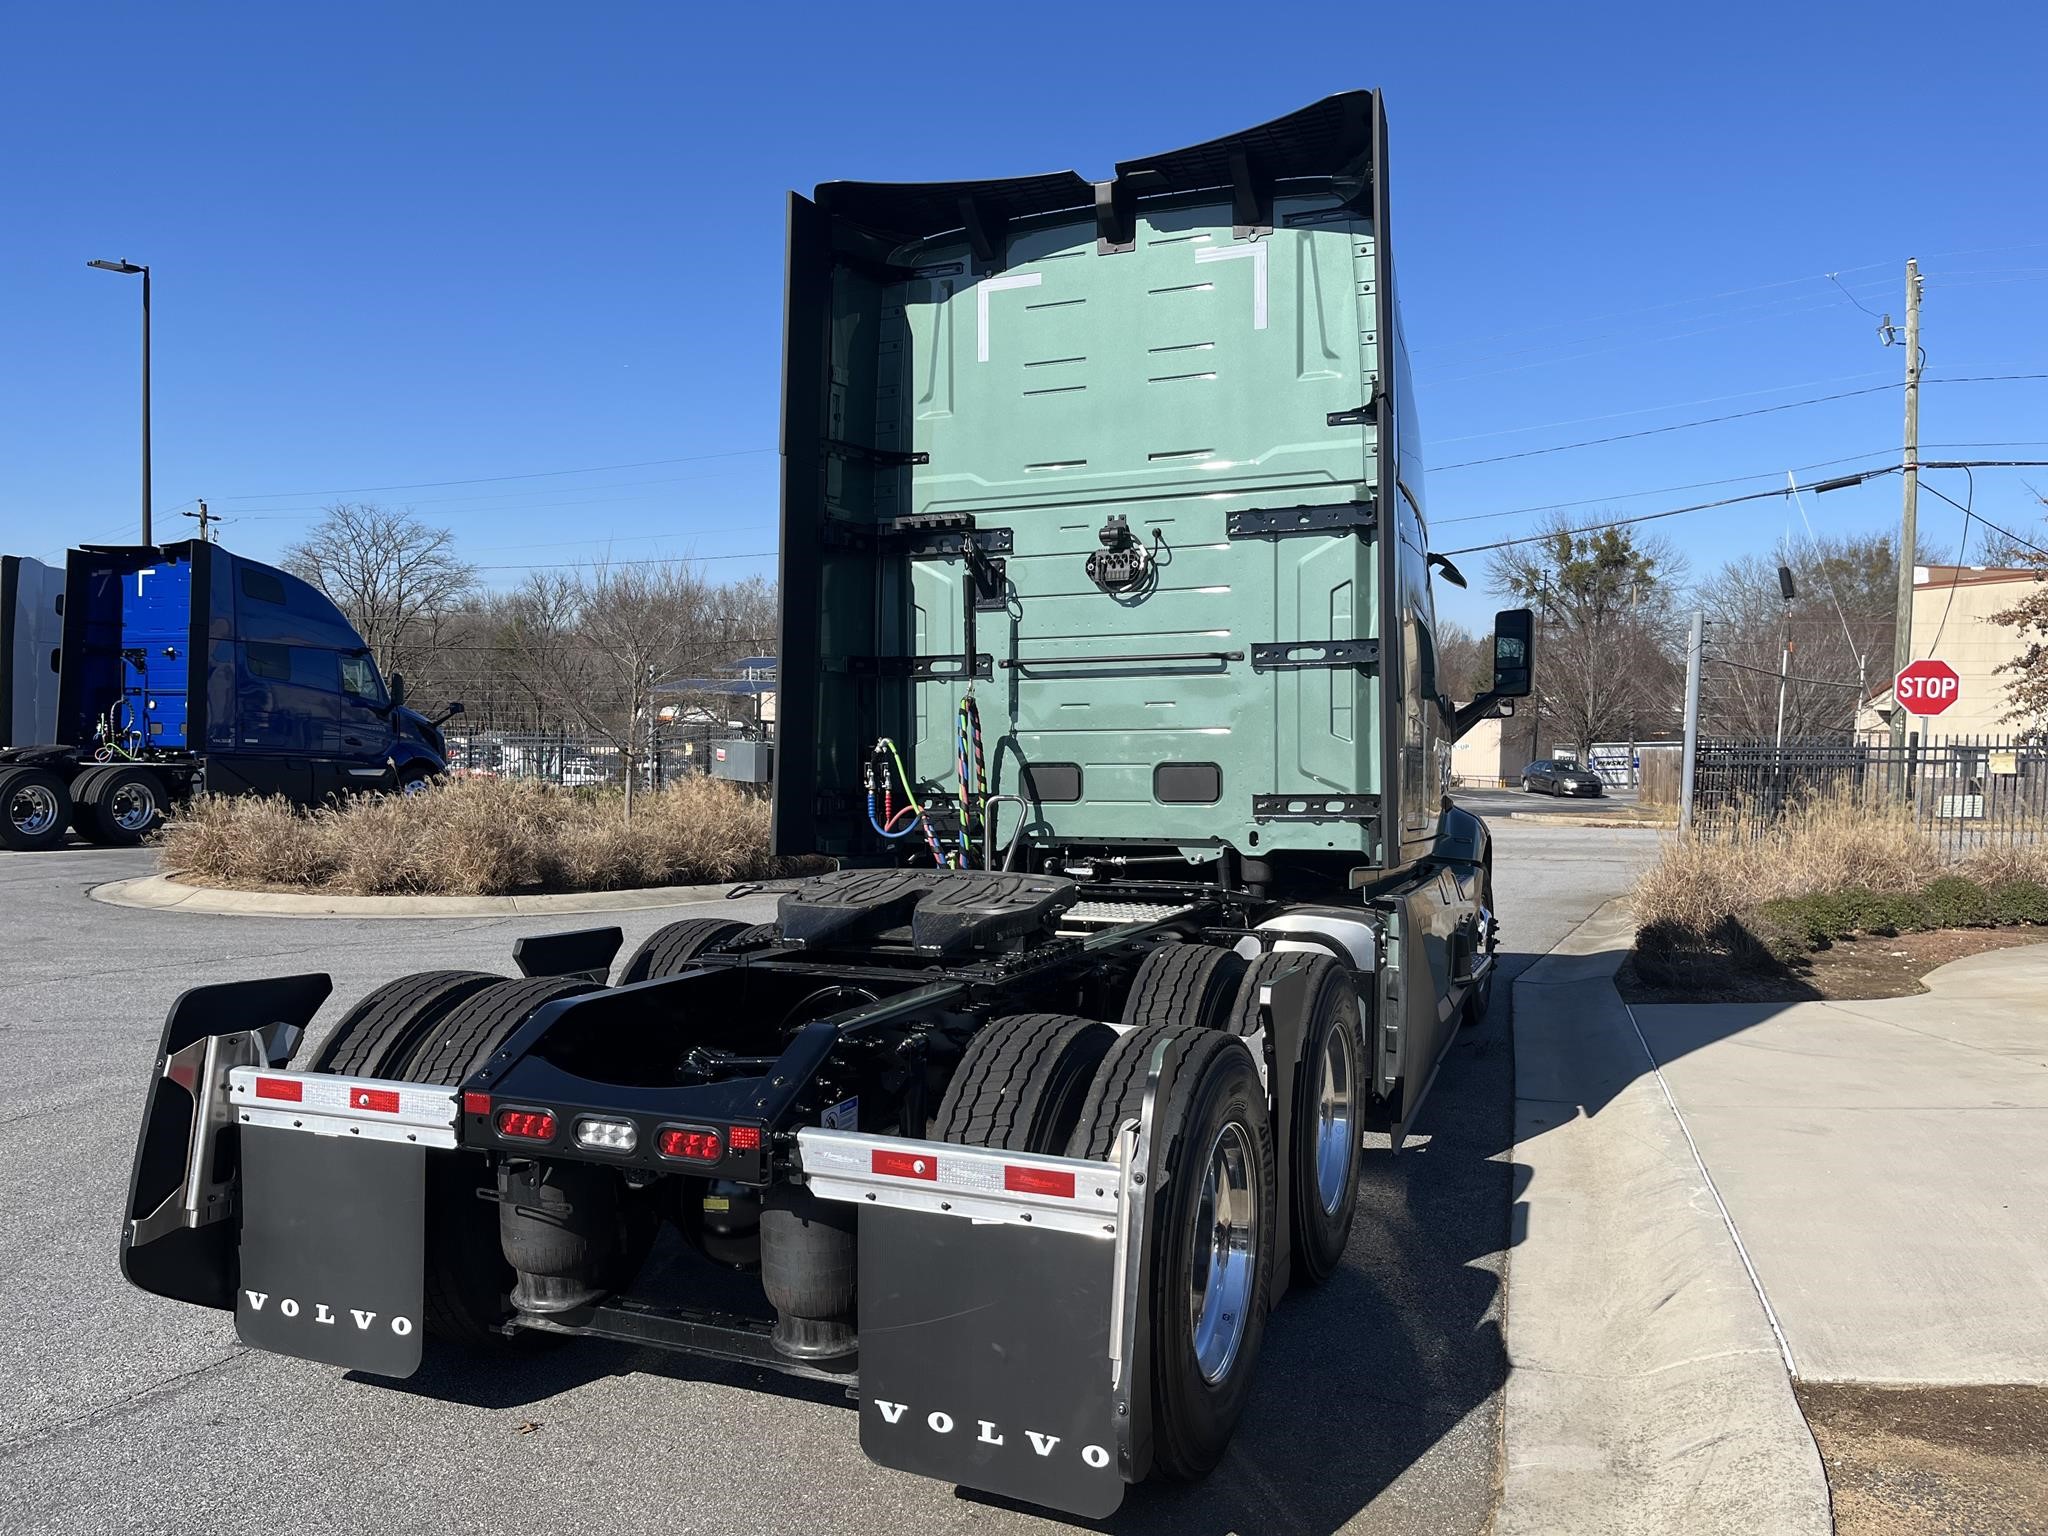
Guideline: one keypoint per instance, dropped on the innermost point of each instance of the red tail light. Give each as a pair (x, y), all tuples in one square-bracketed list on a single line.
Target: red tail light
[(906, 1165), (527, 1124), (280, 1088), (744, 1138), (1038, 1181), (474, 1103), (697, 1146)]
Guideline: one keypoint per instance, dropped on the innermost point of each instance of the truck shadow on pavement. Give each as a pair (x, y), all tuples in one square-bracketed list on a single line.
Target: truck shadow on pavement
[(1377, 1393)]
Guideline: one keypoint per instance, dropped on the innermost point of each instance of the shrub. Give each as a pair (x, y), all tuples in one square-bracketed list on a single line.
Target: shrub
[(476, 837), (2019, 901), (1956, 901)]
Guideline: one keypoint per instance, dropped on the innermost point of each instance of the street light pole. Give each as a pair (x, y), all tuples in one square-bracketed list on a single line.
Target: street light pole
[(130, 268)]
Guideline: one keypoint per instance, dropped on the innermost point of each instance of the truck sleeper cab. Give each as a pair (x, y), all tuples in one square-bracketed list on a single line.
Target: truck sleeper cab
[(145, 675), (1120, 722)]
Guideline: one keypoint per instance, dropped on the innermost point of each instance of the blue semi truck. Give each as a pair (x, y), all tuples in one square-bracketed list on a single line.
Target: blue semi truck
[(135, 677)]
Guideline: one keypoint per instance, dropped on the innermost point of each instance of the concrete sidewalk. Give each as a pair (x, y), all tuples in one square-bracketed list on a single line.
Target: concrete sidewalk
[(1647, 1392), (1886, 1164)]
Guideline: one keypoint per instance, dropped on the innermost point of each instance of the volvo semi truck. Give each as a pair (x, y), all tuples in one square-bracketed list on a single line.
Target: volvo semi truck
[(137, 676), (1109, 683)]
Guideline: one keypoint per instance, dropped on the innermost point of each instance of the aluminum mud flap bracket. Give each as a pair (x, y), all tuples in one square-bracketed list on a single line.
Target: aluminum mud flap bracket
[(1001, 1315)]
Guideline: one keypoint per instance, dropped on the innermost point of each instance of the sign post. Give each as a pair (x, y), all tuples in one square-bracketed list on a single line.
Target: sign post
[(1927, 687)]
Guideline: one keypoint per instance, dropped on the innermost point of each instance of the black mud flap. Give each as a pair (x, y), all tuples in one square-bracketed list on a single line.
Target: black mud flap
[(333, 1249), (179, 1238), (985, 1357)]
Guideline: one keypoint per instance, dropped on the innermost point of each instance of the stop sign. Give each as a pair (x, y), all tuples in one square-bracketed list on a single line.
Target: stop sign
[(1928, 687)]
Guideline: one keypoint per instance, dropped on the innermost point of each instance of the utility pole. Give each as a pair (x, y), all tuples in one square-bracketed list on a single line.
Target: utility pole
[(206, 520), (1909, 475), (1695, 648)]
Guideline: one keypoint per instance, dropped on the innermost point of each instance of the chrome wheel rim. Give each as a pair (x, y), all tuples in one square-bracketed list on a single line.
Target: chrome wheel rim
[(33, 809), (1335, 1138), (133, 807), (414, 786), (1225, 1253)]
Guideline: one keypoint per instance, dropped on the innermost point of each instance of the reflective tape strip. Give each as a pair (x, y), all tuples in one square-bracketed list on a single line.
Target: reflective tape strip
[(979, 1183), (363, 1107)]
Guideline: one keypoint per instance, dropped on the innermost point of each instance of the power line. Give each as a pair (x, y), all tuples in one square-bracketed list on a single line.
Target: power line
[(1709, 421), (1661, 490), (1704, 421), (538, 474), (1790, 678)]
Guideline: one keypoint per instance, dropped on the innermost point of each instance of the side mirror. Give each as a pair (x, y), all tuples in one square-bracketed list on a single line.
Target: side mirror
[(397, 690), (1514, 633), (448, 714)]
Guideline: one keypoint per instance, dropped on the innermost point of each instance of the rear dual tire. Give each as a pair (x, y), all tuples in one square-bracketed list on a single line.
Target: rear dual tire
[(440, 1027), (1210, 1249), (35, 809)]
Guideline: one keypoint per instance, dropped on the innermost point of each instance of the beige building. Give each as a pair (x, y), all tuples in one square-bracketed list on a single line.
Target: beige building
[(1952, 622)]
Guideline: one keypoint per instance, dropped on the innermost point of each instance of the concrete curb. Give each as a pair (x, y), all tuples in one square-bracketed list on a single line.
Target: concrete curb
[(163, 893), (1647, 1392)]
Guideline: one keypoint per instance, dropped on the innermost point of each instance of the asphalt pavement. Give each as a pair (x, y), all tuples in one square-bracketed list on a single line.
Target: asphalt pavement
[(1378, 1400)]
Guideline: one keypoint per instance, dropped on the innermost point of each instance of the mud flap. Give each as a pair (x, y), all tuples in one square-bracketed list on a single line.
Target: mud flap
[(985, 1357), (333, 1249), (179, 1238)]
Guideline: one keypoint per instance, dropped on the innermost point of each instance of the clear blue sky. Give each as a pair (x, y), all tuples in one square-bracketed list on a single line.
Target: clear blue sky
[(407, 244)]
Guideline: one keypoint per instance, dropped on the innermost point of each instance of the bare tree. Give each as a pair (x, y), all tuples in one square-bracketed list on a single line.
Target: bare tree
[(631, 634), (2026, 675), (396, 579), (1605, 657), (1840, 622)]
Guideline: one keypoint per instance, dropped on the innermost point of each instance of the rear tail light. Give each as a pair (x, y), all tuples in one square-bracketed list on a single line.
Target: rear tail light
[(693, 1145), (606, 1135), (744, 1138), (474, 1103), (527, 1124)]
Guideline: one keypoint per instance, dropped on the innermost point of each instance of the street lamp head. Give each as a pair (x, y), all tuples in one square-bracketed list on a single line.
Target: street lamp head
[(117, 266)]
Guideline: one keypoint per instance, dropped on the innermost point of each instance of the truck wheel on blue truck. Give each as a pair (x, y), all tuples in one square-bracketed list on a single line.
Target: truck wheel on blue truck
[(137, 677), (1109, 683)]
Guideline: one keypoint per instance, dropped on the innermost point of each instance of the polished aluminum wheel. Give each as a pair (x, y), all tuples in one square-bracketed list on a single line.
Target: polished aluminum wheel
[(34, 809), (1336, 1119), (133, 807), (1225, 1252)]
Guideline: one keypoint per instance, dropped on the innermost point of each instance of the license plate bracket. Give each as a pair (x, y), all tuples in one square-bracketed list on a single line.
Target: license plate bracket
[(333, 1249)]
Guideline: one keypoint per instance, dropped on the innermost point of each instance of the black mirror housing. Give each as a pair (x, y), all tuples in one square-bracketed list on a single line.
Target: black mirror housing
[(397, 690), (1514, 646)]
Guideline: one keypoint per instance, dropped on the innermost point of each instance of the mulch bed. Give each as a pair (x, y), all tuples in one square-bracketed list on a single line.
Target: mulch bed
[(1932, 1461), (1864, 967)]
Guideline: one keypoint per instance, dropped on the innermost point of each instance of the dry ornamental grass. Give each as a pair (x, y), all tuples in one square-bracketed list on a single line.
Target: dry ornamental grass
[(475, 837)]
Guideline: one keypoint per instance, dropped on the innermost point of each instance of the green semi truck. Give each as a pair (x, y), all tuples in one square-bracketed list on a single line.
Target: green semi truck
[(1108, 681)]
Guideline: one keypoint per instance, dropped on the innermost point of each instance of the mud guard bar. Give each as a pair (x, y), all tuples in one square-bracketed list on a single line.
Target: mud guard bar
[(177, 1240)]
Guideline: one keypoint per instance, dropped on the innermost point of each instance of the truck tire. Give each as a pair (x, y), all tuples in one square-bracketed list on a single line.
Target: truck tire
[(35, 809), (1184, 983), (374, 1038), (81, 814), (467, 1276), (1022, 1083), (1328, 1111), (1209, 1247), (118, 807), (669, 951)]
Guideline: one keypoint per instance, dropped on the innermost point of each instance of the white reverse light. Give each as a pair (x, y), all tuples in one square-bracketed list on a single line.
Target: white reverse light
[(606, 1135)]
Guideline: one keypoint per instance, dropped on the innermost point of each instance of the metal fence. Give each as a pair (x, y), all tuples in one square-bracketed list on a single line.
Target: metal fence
[(1965, 793), (577, 760)]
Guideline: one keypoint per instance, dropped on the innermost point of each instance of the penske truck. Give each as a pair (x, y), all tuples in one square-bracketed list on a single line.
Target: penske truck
[(1109, 687)]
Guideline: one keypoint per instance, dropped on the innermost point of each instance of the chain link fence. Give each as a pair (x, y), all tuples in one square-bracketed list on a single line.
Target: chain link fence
[(582, 760), (1965, 793)]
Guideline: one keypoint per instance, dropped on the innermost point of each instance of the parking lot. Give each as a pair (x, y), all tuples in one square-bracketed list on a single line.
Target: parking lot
[(1377, 1405)]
